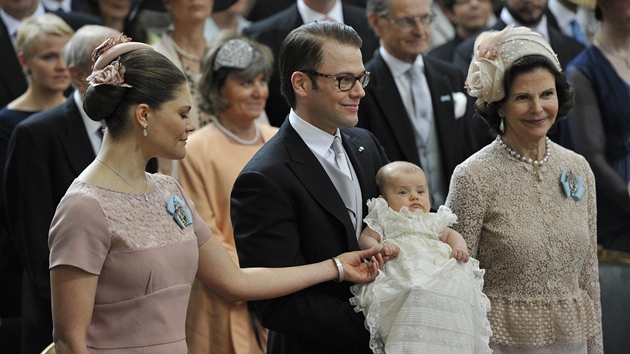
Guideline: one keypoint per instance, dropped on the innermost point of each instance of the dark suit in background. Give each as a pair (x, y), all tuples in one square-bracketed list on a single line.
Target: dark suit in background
[(382, 112), (387, 112), (12, 80), (272, 31), (47, 151)]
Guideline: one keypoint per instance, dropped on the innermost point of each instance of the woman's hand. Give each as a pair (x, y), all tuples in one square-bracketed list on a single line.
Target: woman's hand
[(361, 266)]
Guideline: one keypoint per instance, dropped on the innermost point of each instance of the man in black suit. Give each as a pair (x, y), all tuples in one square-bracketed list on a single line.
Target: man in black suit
[(426, 123), (12, 80), (47, 151), (272, 30), (295, 203)]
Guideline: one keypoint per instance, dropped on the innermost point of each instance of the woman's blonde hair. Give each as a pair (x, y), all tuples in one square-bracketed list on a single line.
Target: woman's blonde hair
[(32, 27)]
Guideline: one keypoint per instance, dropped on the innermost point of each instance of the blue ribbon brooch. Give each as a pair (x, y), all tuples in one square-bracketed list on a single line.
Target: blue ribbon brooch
[(180, 212), (572, 185)]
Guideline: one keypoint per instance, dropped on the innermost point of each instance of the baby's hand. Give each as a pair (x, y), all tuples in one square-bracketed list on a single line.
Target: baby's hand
[(461, 254), (389, 250)]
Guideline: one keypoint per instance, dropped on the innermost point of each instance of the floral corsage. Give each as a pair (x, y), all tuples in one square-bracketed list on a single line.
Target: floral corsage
[(572, 185), (180, 212)]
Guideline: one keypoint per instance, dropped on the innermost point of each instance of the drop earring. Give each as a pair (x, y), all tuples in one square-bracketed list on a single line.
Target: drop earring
[(502, 124), (144, 130)]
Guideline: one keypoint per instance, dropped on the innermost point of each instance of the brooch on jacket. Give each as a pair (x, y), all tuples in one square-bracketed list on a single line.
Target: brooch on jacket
[(572, 185), (180, 212)]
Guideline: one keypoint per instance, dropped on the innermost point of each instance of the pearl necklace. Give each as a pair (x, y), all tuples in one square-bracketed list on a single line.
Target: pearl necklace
[(185, 54), (236, 137), (525, 159), (146, 198)]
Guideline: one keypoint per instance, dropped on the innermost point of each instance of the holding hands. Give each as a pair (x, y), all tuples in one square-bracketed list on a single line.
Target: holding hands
[(356, 267), (389, 250)]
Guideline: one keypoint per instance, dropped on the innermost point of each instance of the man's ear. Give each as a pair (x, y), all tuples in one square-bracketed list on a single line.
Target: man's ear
[(78, 80), (302, 85)]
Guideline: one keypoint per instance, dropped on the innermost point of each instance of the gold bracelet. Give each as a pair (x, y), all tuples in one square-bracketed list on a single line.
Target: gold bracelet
[(339, 269)]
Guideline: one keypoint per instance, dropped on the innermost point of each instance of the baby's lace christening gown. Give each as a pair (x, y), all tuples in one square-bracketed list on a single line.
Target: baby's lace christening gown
[(422, 301)]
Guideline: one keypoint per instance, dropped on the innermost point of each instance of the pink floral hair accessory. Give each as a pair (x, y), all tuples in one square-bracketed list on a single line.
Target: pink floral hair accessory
[(106, 70), (495, 52), (112, 74), (113, 48)]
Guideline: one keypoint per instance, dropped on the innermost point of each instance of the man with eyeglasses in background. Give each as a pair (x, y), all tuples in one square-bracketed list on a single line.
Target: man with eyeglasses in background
[(415, 104), (302, 197)]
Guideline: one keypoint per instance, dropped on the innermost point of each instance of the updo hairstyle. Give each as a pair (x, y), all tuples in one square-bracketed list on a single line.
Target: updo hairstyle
[(154, 80)]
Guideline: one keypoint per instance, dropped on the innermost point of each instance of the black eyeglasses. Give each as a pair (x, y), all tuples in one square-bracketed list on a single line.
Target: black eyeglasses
[(408, 24), (345, 83)]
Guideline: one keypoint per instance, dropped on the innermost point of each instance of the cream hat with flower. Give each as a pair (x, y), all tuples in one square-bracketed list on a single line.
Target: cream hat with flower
[(495, 51)]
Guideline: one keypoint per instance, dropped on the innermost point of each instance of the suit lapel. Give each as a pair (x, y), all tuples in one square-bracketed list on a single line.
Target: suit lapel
[(385, 93), (314, 178), (441, 98), (355, 151), (11, 73)]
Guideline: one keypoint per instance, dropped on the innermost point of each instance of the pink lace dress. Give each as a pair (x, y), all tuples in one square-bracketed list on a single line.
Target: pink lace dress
[(422, 301), (145, 261)]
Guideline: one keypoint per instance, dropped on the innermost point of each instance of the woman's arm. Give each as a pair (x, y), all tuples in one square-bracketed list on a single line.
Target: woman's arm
[(73, 291), (218, 271)]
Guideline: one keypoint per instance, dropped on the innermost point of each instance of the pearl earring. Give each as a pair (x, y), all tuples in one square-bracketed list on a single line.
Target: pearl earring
[(502, 125), (144, 131)]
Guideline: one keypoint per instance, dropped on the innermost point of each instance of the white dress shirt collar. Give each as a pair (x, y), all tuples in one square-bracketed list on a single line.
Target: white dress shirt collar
[(309, 15), (397, 66), (541, 28), (563, 16), (54, 5), (316, 139)]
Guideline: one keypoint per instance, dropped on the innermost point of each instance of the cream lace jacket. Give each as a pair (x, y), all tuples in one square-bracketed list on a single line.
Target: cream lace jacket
[(537, 244)]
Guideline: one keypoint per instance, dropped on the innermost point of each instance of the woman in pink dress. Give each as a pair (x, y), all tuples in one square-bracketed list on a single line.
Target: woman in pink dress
[(125, 246)]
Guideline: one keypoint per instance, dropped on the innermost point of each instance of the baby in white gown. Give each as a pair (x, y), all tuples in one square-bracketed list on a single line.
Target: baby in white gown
[(428, 297)]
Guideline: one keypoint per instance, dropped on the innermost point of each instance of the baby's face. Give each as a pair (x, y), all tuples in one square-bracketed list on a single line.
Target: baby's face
[(407, 189)]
